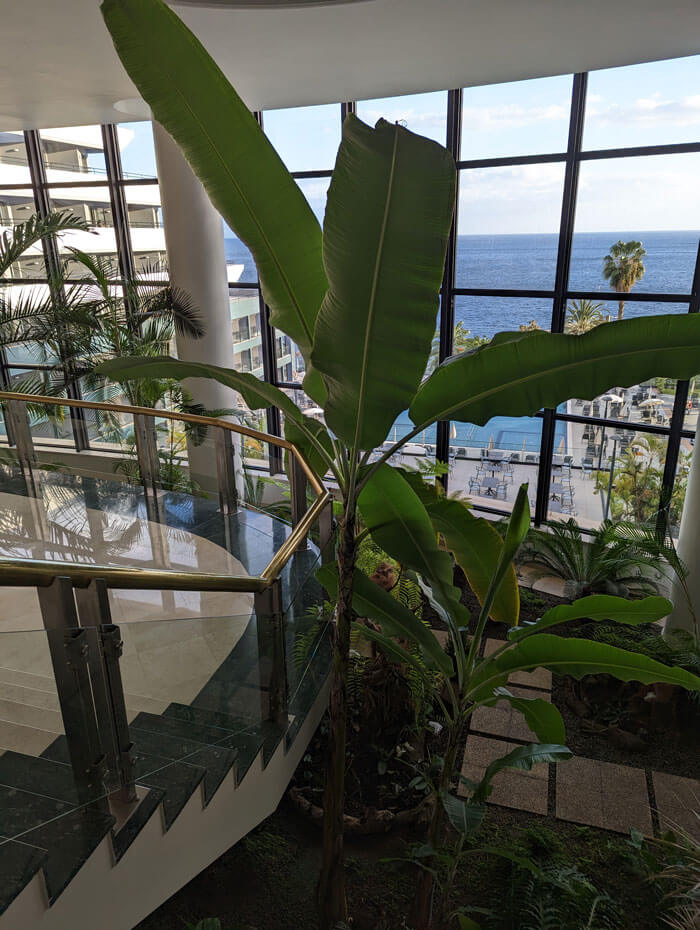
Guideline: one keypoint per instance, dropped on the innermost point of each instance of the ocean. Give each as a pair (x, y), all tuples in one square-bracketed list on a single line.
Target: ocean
[(528, 262)]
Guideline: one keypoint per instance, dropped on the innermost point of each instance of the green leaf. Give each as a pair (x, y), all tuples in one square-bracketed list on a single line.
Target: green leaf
[(476, 546), (393, 651), (576, 657), (466, 923), (600, 607), (519, 373), (369, 600), (308, 449), (464, 816), (242, 173), (387, 222), (524, 757), (255, 393), (399, 523), (542, 717), (518, 526)]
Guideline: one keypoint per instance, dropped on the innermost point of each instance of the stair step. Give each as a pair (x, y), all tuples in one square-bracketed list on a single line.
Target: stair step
[(178, 780), (242, 699), (69, 841), (38, 775), (125, 835), (19, 863), (246, 737), (24, 739), (218, 761), (13, 676), (27, 716), (34, 697), (22, 811)]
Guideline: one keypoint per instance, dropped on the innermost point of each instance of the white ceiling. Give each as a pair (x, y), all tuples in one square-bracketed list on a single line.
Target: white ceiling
[(58, 66)]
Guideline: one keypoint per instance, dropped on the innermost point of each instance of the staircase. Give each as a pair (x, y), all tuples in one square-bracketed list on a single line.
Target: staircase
[(204, 776)]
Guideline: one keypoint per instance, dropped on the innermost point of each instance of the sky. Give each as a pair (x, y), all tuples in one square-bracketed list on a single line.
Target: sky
[(647, 104)]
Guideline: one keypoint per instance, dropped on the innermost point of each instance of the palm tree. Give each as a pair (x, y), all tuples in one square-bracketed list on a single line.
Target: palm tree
[(623, 267), (583, 315), (24, 235)]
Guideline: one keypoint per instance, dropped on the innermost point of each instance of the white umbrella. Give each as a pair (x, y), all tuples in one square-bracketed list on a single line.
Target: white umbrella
[(314, 412), (491, 442), (453, 431), (612, 398), (652, 402)]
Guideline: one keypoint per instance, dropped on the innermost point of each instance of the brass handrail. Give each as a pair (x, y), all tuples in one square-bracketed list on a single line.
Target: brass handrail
[(40, 573), (315, 481)]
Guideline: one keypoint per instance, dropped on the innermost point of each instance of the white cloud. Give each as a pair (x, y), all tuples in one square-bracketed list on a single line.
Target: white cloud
[(510, 116), (645, 111)]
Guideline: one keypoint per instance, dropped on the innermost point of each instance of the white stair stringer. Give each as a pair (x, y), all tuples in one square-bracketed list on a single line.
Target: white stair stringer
[(158, 863)]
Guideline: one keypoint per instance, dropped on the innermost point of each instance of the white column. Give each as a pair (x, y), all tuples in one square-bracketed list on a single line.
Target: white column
[(194, 237), (688, 548)]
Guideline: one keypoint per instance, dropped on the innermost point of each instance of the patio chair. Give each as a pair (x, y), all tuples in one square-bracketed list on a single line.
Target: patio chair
[(502, 492), (475, 486)]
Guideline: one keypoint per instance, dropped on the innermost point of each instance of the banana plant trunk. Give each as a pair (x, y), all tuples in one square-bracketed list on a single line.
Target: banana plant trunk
[(332, 904), (422, 911)]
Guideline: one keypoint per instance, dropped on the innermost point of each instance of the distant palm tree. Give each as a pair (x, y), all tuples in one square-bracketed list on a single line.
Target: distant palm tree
[(623, 267), (582, 315)]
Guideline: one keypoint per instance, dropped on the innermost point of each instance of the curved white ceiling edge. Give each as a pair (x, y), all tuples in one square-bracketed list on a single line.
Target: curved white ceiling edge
[(58, 65)]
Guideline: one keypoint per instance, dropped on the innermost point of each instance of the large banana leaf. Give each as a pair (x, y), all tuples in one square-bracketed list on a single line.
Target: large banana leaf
[(369, 600), (524, 757), (600, 607), (576, 657), (474, 543), (519, 373), (255, 393), (541, 716), (398, 523), (388, 217), (242, 173)]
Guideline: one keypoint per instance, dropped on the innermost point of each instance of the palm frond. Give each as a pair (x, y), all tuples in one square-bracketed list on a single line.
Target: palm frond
[(13, 244)]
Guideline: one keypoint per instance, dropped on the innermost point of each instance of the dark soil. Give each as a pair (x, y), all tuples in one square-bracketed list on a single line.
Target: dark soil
[(267, 881)]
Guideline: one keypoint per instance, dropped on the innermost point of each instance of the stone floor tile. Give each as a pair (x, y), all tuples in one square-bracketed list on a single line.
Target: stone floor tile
[(603, 794), (503, 720), (525, 791), (539, 678), (678, 803)]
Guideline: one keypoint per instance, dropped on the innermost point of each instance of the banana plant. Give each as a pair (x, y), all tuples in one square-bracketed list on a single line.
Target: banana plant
[(360, 300), (466, 680)]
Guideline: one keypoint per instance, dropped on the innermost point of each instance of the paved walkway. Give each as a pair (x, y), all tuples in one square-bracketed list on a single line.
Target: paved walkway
[(586, 791)]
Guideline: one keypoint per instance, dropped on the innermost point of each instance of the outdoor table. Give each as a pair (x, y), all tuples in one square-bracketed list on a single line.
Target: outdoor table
[(555, 506), (557, 488), (490, 484)]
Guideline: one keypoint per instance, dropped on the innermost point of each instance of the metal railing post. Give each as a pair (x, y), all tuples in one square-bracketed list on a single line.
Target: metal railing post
[(271, 653), (297, 489), (105, 650), (68, 646), (149, 463), (226, 471)]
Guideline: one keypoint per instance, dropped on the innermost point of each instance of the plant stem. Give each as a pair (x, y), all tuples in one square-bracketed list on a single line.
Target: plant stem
[(332, 905), (422, 909)]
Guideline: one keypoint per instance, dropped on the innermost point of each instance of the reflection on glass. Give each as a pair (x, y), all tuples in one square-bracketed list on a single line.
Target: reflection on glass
[(306, 138), (17, 206), (73, 150), (92, 206), (507, 226), (651, 200), (521, 118), (425, 114), (478, 319), (137, 150), (245, 325), (490, 462), (607, 472), (146, 226), (648, 104), (14, 164)]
